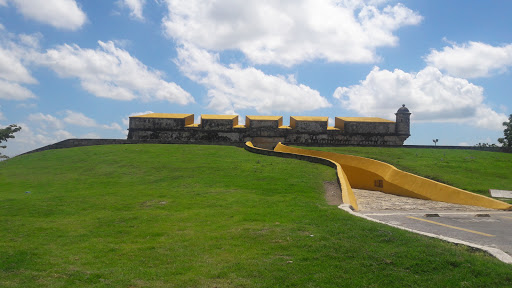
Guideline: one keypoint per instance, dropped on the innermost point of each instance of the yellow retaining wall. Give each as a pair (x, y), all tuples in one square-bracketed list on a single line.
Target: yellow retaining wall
[(347, 195), (364, 173)]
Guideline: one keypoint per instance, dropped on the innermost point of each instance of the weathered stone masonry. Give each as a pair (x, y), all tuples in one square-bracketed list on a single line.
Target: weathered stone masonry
[(266, 131)]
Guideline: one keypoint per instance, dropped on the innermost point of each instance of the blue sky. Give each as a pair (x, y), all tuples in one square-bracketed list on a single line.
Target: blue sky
[(79, 69)]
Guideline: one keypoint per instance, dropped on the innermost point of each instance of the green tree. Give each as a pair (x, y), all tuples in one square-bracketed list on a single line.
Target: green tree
[(7, 133), (507, 140)]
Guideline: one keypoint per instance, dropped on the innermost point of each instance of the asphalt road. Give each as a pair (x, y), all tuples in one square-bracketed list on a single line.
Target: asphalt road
[(486, 228)]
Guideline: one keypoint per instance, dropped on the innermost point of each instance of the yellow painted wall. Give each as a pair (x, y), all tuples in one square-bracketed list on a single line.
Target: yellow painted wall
[(362, 173)]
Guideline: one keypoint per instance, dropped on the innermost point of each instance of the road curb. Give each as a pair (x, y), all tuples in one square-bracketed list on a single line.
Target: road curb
[(495, 252)]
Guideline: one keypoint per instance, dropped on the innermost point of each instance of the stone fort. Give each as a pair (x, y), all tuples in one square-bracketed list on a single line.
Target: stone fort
[(267, 131)]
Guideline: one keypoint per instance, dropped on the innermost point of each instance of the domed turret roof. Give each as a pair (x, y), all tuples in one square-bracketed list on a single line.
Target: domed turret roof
[(403, 109)]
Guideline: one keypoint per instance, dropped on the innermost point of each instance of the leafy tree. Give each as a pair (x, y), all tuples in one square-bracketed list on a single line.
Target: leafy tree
[(507, 140), (7, 133)]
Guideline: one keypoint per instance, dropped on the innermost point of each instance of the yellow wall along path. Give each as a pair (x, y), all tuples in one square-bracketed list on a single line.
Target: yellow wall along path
[(369, 174)]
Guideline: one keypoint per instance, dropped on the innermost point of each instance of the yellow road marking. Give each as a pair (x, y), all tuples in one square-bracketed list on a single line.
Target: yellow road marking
[(453, 227), (506, 217)]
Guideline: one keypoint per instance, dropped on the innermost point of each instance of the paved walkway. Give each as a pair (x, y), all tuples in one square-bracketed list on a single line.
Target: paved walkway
[(490, 229)]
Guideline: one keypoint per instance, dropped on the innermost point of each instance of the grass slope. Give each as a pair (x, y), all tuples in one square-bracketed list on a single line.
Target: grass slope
[(204, 216)]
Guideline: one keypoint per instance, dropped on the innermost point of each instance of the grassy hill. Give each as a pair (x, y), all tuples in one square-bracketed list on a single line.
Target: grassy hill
[(204, 216)]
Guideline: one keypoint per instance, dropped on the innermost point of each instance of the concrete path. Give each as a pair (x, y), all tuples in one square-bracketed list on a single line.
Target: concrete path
[(489, 230)]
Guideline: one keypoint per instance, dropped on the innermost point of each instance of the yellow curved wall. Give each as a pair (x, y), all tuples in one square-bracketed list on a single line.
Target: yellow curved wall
[(362, 173), (347, 194)]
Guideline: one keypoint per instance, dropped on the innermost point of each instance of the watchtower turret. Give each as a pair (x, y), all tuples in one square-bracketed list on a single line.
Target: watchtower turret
[(403, 121)]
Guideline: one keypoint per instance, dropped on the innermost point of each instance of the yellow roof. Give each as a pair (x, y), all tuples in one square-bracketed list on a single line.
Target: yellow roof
[(270, 118), (364, 119), (309, 118), (218, 117), (164, 115)]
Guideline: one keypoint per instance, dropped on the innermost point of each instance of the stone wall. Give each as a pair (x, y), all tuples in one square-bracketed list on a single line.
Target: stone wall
[(312, 131)]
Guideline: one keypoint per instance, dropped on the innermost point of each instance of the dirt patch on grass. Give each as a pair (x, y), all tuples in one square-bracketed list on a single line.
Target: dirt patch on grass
[(332, 193)]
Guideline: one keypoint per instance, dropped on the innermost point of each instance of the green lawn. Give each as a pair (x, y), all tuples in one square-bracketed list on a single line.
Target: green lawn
[(204, 216)]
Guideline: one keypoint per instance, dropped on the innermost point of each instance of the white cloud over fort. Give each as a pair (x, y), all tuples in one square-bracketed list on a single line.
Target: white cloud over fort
[(432, 96), (472, 59), (233, 87), (289, 32)]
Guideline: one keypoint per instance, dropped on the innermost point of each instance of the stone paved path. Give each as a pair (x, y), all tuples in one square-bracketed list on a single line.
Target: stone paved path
[(379, 201)]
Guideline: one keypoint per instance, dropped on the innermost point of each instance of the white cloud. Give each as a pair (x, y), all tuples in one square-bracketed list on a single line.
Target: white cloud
[(289, 32), (46, 120), (11, 67), (111, 72), (126, 120), (472, 59), (2, 117), (79, 119), (135, 6), (14, 52), (61, 14), (29, 139), (44, 129), (233, 87), (112, 126), (430, 95), (14, 91), (91, 135)]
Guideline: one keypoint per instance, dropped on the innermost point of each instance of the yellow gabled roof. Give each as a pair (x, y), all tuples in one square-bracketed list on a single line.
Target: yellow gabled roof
[(270, 118), (218, 117), (309, 118), (164, 115), (364, 119)]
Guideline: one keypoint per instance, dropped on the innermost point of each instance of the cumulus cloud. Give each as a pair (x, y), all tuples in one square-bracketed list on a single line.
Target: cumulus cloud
[(126, 120), (91, 135), (472, 59), (135, 6), (61, 14), (14, 91), (233, 87), (79, 119), (29, 139), (111, 72), (46, 121), (14, 49), (43, 129), (289, 32), (430, 95)]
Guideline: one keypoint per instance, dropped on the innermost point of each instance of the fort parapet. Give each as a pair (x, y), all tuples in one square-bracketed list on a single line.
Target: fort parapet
[(267, 131)]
